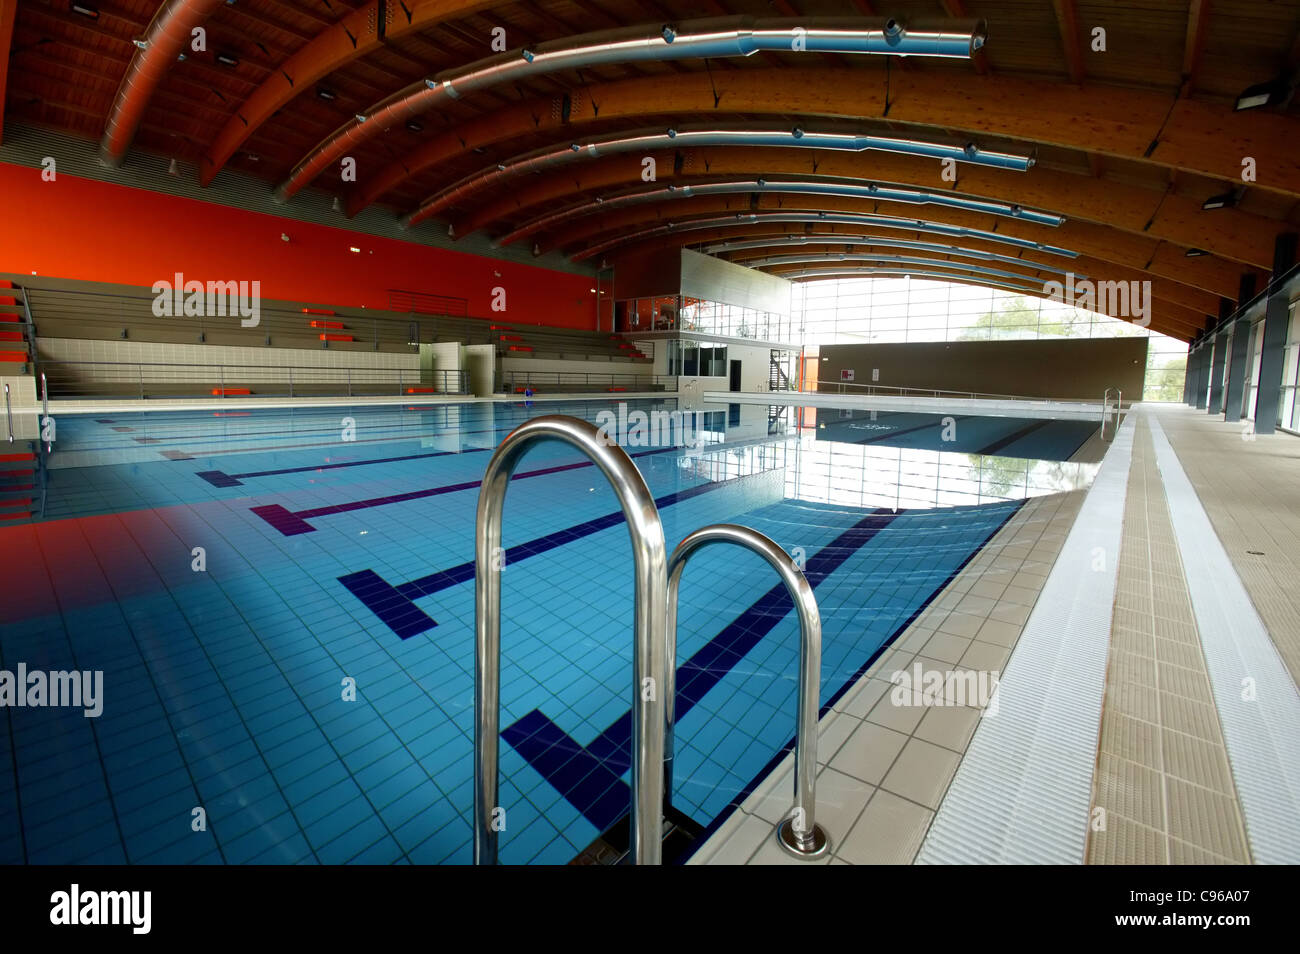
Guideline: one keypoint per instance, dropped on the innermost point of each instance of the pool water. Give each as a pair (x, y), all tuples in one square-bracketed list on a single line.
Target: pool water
[(282, 606)]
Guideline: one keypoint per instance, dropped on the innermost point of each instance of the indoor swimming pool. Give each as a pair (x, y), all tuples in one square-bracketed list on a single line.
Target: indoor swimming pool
[(281, 603)]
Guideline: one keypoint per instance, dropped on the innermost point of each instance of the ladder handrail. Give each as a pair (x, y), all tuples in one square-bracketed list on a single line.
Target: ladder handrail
[(799, 833), (1119, 408), (649, 550)]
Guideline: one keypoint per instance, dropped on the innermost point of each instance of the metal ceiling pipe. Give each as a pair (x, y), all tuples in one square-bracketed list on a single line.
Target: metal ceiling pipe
[(796, 138), (832, 239), (846, 188), (695, 39), (840, 218), (900, 259), (904, 272), (165, 40)]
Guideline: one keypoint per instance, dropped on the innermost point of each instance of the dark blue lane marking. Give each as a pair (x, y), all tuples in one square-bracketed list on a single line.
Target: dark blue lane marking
[(219, 478), (775, 760), (291, 523), (1013, 437), (590, 777), (395, 605)]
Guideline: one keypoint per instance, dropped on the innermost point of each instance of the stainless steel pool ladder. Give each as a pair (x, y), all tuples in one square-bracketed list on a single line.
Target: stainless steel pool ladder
[(1105, 403), (654, 658), (798, 833), (649, 551)]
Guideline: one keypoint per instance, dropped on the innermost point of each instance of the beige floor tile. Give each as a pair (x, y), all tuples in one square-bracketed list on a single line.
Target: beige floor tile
[(961, 624), (869, 752), (1197, 761), (921, 772), (1205, 819), (859, 700), (889, 832), (945, 647), (1010, 613), (985, 657), (840, 800), (1126, 842), (1020, 595), (901, 718), (948, 726), (742, 842), (834, 729), (1130, 789), (999, 632)]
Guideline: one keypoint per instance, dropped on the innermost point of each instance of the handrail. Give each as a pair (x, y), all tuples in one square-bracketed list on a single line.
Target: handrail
[(522, 379), (798, 833), (9, 414), (649, 551), (1119, 407), (934, 392)]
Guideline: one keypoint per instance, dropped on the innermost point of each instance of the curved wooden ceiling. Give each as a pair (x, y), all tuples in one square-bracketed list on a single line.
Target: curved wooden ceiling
[(1129, 142)]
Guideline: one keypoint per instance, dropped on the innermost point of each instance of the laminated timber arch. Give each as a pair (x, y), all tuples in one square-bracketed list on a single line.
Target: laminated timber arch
[(1095, 241), (1187, 136), (1229, 234), (1129, 144)]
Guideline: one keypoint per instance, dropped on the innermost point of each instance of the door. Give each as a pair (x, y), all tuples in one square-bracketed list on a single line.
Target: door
[(735, 375)]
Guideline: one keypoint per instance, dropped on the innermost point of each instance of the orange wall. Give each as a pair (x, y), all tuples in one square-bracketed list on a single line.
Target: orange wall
[(93, 231)]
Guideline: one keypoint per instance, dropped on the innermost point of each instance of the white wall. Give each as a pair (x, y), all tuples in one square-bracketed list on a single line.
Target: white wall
[(480, 362), (272, 364)]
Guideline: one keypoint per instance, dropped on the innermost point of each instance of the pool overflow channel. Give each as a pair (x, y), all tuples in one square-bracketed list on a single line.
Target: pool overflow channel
[(653, 823)]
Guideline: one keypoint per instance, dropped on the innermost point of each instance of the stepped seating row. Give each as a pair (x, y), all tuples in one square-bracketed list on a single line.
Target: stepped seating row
[(13, 339), (62, 311)]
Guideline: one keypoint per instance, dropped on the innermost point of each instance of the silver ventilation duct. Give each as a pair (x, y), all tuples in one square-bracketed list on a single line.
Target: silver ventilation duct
[(905, 272), (847, 189), (796, 138), (900, 259), (714, 38), (165, 40), (956, 251), (839, 218)]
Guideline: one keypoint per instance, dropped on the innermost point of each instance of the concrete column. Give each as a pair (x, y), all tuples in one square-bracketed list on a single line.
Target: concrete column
[(1235, 390), (1193, 369), (1203, 367), (1234, 395), (1276, 318), (1220, 340)]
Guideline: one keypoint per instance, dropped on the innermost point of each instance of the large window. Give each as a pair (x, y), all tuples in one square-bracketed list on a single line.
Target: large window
[(1288, 411), (883, 310), (693, 358)]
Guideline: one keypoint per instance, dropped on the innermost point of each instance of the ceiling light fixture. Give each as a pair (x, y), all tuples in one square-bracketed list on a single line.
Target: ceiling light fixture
[(1276, 92)]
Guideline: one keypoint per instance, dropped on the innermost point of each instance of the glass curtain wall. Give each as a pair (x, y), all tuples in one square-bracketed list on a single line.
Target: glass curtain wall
[(886, 310)]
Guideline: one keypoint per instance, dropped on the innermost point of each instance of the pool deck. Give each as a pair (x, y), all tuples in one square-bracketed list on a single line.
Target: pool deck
[(1155, 754)]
